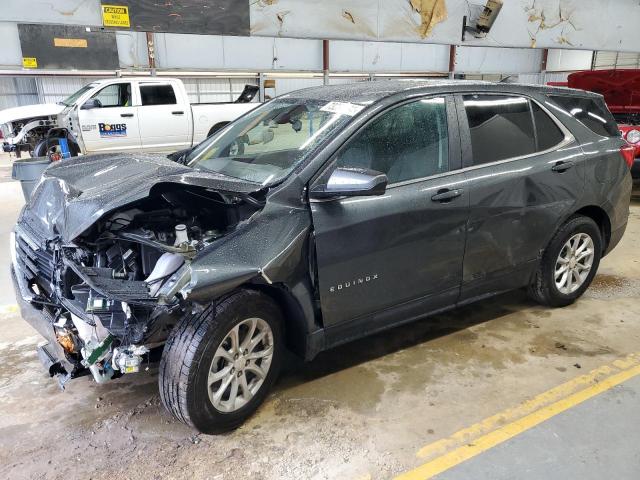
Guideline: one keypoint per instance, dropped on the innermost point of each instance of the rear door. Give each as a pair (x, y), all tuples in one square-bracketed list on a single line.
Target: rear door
[(388, 258), (114, 125), (524, 173), (164, 117)]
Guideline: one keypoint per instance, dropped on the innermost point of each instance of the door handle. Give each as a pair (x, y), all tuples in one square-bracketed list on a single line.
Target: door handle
[(446, 195), (126, 115), (178, 112), (562, 166)]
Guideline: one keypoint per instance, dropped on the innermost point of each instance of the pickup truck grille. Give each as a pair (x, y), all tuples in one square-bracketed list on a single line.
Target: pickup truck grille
[(34, 259)]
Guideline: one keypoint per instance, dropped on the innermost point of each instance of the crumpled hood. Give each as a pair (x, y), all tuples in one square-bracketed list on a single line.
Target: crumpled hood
[(73, 194), (29, 111)]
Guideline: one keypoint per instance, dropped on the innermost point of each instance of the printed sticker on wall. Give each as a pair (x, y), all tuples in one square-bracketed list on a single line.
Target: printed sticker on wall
[(115, 16), (29, 62), (70, 42), (112, 129)]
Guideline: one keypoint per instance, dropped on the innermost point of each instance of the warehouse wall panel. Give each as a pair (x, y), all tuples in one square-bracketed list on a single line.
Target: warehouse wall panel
[(132, 50), (354, 56), (580, 24), (10, 53), (68, 12), (565, 60), (236, 53), (497, 60)]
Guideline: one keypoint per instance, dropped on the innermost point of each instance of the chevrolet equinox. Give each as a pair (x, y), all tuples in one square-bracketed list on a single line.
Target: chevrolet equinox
[(320, 217)]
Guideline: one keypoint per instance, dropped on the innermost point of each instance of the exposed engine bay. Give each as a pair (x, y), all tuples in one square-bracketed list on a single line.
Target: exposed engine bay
[(114, 292)]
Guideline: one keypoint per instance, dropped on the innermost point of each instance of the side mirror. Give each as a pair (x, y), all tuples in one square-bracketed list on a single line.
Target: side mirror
[(91, 103), (351, 182)]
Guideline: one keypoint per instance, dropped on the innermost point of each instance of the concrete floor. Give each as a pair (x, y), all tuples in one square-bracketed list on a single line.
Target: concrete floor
[(361, 411)]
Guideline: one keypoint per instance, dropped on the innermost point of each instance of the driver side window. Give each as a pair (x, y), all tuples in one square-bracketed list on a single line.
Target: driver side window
[(115, 95), (406, 143)]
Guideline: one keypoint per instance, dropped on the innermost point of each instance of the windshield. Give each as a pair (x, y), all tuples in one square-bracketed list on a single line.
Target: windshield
[(265, 145), (71, 99)]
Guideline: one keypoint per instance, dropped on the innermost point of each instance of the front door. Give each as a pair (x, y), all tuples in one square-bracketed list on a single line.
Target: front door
[(402, 249), (113, 125), (524, 177)]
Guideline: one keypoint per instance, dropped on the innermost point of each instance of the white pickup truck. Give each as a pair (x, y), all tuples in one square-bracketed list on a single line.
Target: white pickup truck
[(118, 114)]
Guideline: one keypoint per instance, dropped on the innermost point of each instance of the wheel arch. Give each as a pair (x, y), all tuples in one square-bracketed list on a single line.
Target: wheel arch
[(298, 317), (216, 127), (600, 216)]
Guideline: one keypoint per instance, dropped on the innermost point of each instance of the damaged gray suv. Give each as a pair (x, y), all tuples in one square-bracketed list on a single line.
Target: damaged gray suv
[(319, 217)]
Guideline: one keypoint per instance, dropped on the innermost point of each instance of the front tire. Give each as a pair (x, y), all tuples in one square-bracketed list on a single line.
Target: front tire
[(568, 264), (218, 365), (45, 148)]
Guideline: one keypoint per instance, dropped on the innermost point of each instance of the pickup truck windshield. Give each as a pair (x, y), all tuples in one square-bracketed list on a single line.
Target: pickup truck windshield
[(265, 145), (71, 99)]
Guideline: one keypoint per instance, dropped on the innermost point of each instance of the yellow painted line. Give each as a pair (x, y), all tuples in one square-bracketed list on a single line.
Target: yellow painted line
[(6, 309), (510, 430), (491, 423)]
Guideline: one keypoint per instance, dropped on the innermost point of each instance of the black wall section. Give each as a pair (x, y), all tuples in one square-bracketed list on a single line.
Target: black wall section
[(76, 48), (220, 17)]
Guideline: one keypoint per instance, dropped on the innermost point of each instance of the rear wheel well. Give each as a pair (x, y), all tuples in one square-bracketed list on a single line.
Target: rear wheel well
[(598, 215), (216, 127)]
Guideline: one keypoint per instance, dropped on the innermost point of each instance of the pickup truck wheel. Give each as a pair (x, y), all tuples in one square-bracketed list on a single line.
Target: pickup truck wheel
[(568, 264), (44, 148), (218, 365)]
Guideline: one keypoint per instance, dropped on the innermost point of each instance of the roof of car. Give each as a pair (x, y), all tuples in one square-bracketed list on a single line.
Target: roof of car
[(366, 92)]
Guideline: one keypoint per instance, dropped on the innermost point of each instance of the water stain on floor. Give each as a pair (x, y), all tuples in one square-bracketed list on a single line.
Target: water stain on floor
[(613, 286)]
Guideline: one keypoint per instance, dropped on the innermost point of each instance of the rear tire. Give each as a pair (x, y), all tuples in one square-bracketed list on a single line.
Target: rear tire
[(201, 348), (568, 264)]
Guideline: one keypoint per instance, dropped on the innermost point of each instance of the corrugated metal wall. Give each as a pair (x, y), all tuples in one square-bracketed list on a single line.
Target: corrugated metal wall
[(607, 60), (15, 92), (18, 91)]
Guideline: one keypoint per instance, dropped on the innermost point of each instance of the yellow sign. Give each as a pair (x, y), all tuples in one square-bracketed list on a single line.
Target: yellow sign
[(29, 62), (70, 42), (115, 16)]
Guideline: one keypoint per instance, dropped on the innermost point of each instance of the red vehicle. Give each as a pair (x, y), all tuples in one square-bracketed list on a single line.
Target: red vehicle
[(621, 91)]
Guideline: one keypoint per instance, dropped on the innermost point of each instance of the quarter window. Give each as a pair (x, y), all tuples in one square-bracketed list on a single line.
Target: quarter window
[(157, 95), (501, 127), (592, 113), (548, 134), (115, 95), (406, 143)]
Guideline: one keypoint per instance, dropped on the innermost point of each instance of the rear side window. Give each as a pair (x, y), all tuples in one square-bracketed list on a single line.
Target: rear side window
[(157, 95), (548, 133), (501, 127), (592, 113)]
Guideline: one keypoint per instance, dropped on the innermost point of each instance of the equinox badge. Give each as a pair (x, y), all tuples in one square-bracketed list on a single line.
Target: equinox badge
[(353, 283)]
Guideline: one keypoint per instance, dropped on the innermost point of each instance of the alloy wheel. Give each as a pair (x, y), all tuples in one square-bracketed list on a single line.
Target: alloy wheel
[(240, 365), (574, 263)]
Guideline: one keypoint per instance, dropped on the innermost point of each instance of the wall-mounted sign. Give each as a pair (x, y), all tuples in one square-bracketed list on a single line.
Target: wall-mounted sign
[(60, 47), (29, 62), (115, 16), (222, 17)]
